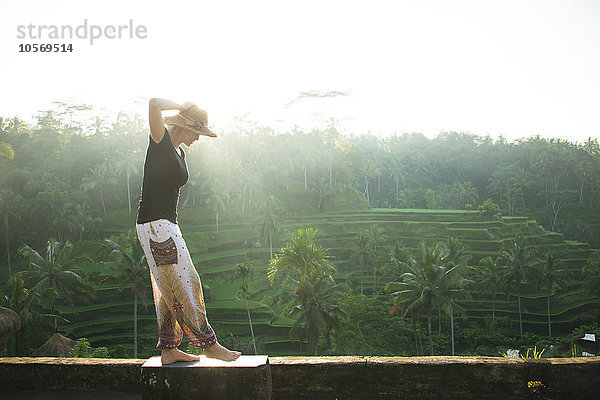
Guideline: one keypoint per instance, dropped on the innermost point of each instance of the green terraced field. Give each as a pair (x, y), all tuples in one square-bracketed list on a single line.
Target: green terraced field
[(108, 319)]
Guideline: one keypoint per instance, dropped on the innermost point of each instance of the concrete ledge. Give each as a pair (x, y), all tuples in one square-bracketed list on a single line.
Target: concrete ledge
[(247, 378), (57, 373), (324, 377), (433, 378)]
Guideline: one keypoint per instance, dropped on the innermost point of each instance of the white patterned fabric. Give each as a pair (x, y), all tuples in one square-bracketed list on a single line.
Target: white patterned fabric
[(176, 286)]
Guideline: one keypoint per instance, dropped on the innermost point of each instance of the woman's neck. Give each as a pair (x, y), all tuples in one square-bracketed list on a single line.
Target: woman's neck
[(176, 140)]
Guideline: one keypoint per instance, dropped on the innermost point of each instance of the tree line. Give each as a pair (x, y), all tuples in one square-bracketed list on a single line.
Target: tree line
[(67, 172)]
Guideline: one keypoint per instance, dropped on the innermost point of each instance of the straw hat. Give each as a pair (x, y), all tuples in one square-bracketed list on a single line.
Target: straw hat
[(193, 119)]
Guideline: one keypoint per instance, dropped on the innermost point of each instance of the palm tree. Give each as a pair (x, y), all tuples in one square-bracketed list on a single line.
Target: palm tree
[(420, 164), (361, 255), (306, 158), (426, 283), (98, 126), (55, 275), (15, 125), (408, 198), (22, 302), (454, 257), (488, 280), (591, 275), (399, 258), (302, 256), (80, 219), (369, 170), (320, 295), (127, 164), (192, 186), (96, 180), (376, 235), (468, 193), (243, 271), (28, 305), (217, 197), (130, 269), (398, 171), (515, 270), (6, 150), (9, 209), (551, 272), (269, 222), (322, 190)]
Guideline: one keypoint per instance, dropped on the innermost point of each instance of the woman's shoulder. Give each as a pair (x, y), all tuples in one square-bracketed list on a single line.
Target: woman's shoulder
[(165, 138)]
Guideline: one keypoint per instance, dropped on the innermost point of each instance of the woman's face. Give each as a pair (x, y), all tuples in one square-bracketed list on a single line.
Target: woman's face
[(189, 137)]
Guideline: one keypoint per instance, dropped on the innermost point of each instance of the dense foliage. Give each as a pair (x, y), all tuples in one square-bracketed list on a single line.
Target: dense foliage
[(61, 178), (65, 174)]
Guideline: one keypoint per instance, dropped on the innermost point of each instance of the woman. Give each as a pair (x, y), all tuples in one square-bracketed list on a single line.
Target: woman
[(176, 286)]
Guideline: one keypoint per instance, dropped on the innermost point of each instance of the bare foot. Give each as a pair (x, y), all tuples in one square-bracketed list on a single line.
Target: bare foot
[(169, 356), (221, 353)]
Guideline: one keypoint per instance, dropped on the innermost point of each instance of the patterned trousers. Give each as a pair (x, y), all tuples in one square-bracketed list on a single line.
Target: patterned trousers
[(176, 286)]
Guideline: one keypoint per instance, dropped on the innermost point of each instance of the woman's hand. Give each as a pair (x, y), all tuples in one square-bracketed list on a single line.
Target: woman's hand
[(156, 107)]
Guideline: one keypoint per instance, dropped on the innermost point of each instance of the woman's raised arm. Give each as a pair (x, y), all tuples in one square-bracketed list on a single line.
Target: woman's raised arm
[(156, 107)]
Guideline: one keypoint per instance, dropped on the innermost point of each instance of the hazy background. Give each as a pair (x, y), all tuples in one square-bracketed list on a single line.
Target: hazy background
[(515, 68)]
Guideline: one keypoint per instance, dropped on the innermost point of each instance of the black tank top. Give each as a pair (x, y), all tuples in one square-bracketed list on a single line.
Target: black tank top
[(165, 172)]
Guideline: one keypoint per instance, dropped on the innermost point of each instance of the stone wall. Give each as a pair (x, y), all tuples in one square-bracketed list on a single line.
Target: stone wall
[(339, 377)]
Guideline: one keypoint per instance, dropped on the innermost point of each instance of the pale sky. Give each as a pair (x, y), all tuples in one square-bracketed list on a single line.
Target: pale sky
[(515, 68)]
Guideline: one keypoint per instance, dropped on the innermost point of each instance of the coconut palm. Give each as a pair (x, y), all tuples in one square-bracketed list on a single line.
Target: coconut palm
[(591, 275), (217, 197), (55, 276), (130, 269), (9, 209), (96, 180), (243, 271), (80, 220), (306, 157), (322, 189), (318, 299), (98, 126), (16, 125), (398, 172), (302, 256), (488, 280), (376, 235), (6, 150), (192, 186), (468, 193), (128, 165), (408, 198), (399, 257), (27, 305), (454, 256), (427, 283), (369, 170), (551, 272), (22, 302), (515, 270), (361, 256), (269, 222)]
